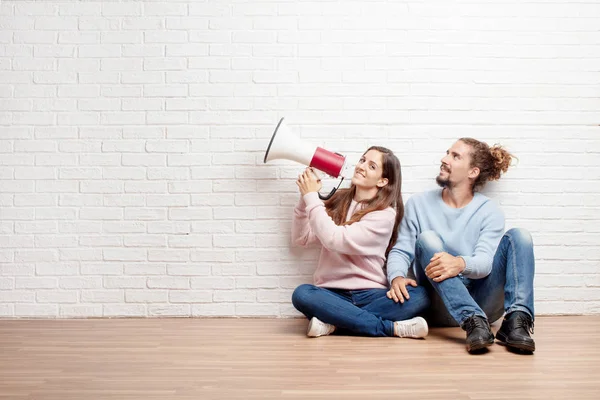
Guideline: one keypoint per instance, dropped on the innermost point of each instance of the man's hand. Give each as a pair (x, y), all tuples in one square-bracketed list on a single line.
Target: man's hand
[(443, 266), (398, 290), (309, 181)]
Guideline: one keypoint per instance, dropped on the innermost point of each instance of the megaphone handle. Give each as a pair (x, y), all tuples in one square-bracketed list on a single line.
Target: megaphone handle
[(328, 196), (332, 191)]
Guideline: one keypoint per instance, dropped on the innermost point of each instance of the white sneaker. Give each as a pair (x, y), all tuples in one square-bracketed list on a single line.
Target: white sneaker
[(412, 328), (317, 328)]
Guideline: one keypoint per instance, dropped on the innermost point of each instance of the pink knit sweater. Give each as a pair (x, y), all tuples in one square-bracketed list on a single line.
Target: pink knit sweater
[(352, 256)]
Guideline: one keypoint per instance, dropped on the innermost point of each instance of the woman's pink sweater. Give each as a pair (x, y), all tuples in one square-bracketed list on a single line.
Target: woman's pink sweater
[(352, 256)]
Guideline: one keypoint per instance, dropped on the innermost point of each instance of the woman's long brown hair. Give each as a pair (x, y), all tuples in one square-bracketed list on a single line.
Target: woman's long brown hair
[(388, 196)]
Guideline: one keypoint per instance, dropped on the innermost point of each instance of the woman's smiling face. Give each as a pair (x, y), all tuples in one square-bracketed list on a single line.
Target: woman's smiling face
[(369, 171)]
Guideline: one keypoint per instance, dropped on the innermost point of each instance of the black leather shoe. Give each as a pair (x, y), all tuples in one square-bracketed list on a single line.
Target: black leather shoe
[(514, 331), (479, 334)]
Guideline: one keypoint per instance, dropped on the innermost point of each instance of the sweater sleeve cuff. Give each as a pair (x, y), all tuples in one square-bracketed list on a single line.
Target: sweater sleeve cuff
[(468, 266), (393, 276)]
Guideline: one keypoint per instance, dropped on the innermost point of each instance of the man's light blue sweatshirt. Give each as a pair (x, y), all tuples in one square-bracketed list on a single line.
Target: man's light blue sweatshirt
[(472, 232)]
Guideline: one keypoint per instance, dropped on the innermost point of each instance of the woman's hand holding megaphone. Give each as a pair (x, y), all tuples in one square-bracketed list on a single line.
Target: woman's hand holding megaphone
[(309, 181)]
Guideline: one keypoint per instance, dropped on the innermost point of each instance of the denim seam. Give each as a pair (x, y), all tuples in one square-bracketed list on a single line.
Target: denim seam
[(514, 268)]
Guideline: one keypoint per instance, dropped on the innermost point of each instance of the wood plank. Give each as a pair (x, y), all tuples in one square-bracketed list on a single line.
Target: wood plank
[(272, 358)]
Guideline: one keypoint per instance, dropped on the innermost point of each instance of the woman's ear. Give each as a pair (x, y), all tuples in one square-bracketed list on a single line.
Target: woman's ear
[(382, 182)]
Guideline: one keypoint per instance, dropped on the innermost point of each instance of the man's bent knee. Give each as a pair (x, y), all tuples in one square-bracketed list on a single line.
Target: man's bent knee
[(520, 235), (430, 240)]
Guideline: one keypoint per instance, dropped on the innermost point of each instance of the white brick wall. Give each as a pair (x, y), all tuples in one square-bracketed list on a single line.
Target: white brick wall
[(132, 135)]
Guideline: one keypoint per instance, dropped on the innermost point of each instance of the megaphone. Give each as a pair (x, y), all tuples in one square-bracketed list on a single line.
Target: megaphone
[(285, 145)]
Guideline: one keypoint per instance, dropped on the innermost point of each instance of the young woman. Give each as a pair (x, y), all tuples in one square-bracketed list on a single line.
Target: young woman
[(356, 228)]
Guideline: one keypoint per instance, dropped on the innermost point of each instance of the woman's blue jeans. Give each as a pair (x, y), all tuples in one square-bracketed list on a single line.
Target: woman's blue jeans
[(366, 312), (508, 288)]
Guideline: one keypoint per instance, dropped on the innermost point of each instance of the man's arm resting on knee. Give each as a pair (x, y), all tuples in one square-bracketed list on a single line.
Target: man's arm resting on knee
[(402, 254), (478, 265)]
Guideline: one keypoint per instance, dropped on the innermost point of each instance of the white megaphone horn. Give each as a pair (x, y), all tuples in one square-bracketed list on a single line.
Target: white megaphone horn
[(284, 145)]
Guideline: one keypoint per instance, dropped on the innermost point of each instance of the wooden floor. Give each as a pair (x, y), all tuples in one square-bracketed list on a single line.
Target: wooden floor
[(272, 358)]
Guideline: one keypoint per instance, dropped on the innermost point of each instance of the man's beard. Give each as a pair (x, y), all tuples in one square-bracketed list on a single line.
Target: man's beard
[(444, 183)]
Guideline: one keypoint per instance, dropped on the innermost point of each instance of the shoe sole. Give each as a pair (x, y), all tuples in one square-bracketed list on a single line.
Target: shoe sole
[(480, 345), (519, 345)]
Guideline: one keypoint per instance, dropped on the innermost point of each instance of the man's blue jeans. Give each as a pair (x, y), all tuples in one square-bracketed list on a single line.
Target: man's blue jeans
[(508, 288), (362, 312)]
